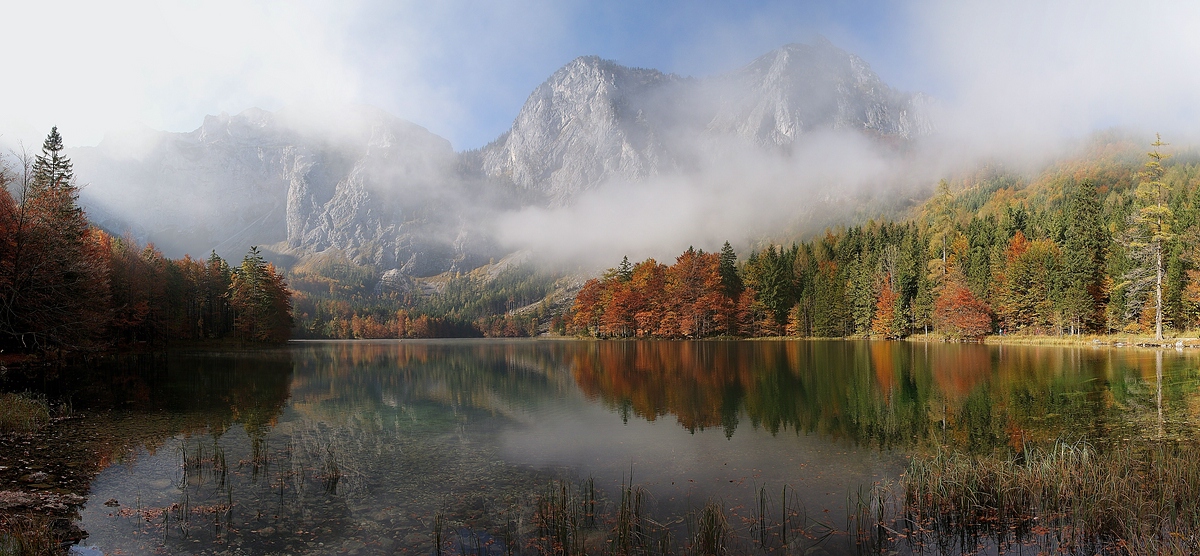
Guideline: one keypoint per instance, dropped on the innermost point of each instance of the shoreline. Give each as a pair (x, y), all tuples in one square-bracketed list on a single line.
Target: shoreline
[(1078, 340)]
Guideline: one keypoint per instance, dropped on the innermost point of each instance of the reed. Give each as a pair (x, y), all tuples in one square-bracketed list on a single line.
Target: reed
[(1142, 496), (23, 413), (22, 535), (712, 531)]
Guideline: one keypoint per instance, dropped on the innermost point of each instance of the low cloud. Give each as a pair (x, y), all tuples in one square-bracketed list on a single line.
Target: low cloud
[(740, 194)]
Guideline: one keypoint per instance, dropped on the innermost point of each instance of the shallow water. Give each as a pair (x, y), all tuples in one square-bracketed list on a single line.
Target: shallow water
[(357, 447)]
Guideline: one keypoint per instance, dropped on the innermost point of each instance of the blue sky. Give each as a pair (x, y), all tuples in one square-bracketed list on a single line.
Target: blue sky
[(1004, 71)]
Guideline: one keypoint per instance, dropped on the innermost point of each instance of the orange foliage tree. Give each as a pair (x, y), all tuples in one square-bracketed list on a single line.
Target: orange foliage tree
[(688, 299), (959, 313), (885, 323)]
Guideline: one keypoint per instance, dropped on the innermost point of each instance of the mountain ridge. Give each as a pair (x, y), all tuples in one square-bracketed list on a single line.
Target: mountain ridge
[(392, 194)]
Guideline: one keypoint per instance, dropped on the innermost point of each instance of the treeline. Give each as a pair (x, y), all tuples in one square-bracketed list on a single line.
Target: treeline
[(66, 286), (338, 298), (1104, 244)]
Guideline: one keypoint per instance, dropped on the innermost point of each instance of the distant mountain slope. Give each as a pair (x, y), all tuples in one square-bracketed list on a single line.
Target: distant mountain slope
[(359, 181), (389, 193)]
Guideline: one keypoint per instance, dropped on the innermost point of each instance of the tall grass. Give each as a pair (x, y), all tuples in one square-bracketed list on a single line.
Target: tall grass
[(1141, 496), (571, 519), (23, 413), (22, 535)]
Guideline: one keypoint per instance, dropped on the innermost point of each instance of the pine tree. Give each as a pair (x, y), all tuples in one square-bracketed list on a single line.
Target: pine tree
[(52, 169), (624, 270), (729, 272)]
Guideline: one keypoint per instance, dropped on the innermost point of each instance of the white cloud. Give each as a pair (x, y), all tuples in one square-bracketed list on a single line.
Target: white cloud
[(93, 66), (1029, 72)]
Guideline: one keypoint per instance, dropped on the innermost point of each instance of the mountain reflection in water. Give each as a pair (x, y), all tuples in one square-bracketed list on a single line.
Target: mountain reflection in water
[(328, 446)]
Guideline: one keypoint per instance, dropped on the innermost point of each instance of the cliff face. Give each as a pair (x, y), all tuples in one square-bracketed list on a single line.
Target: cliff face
[(390, 193), (593, 120), (360, 181), (801, 88)]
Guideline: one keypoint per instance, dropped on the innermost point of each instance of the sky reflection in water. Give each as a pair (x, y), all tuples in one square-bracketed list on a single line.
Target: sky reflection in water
[(355, 446)]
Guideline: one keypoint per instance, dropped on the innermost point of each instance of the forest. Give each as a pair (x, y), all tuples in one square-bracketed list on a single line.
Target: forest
[(1104, 241), (68, 287), (1107, 241), (337, 298)]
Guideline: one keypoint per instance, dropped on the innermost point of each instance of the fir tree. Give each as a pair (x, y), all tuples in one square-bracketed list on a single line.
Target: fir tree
[(52, 169), (729, 272)]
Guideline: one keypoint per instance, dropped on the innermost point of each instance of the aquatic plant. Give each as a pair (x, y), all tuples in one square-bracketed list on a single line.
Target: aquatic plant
[(712, 531)]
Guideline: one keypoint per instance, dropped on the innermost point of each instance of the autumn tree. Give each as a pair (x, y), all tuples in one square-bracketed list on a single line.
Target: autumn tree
[(1027, 286), (888, 320), (54, 295), (958, 313)]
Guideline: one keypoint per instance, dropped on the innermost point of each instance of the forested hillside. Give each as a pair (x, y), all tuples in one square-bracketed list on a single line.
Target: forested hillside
[(69, 287), (336, 298), (1103, 242)]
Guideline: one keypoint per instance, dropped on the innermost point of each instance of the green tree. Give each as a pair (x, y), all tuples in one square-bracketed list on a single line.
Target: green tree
[(261, 300), (1083, 250), (729, 272), (52, 168)]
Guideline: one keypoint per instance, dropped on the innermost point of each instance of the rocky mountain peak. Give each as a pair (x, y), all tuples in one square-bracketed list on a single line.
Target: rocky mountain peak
[(588, 122), (800, 88)]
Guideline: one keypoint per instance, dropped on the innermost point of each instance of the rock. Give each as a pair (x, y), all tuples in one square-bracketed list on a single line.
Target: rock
[(85, 551)]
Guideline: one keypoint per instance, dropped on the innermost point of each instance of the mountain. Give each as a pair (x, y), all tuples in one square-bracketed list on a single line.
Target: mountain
[(357, 180), (594, 120), (801, 88), (391, 194)]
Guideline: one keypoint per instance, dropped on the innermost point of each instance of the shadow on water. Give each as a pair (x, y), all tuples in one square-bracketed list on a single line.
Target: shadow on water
[(496, 447)]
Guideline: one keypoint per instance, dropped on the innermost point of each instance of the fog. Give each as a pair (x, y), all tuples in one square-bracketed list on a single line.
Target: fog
[(740, 193), (1017, 82)]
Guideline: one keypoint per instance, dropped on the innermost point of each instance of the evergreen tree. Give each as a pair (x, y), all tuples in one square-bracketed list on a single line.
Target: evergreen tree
[(55, 290), (729, 272), (261, 300), (624, 270), (51, 168), (1084, 242), (1149, 231)]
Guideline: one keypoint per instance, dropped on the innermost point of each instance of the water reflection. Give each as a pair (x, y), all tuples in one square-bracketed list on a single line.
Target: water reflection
[(357, 446)]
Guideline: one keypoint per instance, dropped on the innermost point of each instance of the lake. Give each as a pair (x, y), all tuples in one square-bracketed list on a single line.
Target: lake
[(385, 447)]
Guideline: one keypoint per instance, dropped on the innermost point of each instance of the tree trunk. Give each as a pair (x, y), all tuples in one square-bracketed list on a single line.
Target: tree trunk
[(1158, 294)]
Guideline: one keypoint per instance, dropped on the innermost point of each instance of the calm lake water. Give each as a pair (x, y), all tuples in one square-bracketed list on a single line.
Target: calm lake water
[(358, 447)]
